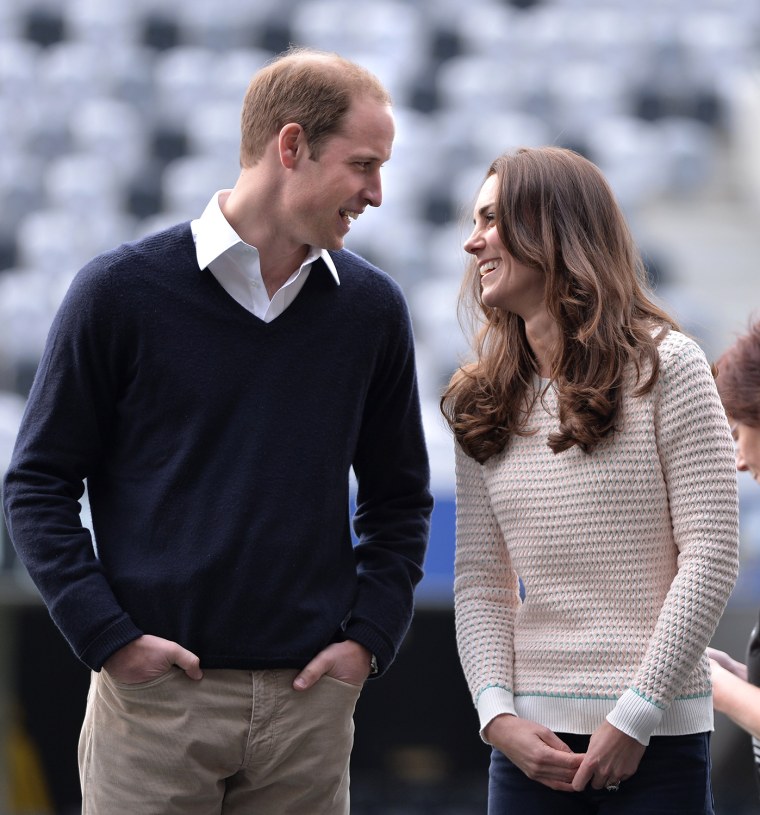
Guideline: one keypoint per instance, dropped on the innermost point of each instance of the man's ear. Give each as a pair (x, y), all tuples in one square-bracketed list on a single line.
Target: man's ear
[(291, 143)]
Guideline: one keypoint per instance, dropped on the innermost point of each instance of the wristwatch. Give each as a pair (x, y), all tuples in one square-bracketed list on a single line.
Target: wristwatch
[(372, 665)]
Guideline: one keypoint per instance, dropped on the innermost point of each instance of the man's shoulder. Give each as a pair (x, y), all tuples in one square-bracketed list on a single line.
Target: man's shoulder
[(163, 248), (355, 270), (349, 261), (161, 245), (124, 273)]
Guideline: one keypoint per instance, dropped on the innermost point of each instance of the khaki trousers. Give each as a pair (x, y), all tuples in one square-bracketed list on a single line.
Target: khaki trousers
[(234, 742)]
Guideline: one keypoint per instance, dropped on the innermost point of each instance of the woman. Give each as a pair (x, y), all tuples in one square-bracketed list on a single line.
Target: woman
[(735, 690), (595, 467)]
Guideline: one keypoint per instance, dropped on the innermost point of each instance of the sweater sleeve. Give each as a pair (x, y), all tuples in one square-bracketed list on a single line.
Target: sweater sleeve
[(698, 465), (60, 440), (393, 503), (486, 595)]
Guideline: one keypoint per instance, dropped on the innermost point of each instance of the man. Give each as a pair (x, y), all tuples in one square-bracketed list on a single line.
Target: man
[(214, 384)]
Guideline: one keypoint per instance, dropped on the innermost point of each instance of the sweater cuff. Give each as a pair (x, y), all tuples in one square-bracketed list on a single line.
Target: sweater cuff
[(109, 642), (635, 716), (374, 642), (493, 702)]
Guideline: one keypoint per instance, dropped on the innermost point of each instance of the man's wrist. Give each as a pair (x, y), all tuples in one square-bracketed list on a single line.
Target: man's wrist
[(373, 666)]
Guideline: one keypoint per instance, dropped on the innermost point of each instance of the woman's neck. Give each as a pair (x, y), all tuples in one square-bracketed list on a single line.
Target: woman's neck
[(543, 337)]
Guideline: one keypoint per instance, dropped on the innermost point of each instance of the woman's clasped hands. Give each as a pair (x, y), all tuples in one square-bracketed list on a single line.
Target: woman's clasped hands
[(611, 758)]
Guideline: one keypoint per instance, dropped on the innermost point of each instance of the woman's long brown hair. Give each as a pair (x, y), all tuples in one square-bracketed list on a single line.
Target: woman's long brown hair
[(556, 213)]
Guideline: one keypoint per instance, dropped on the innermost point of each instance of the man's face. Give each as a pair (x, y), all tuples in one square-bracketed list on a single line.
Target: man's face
[(327, 194)]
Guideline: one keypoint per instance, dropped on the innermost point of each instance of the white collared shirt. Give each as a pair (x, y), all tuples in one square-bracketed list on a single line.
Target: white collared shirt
[(235, 264)]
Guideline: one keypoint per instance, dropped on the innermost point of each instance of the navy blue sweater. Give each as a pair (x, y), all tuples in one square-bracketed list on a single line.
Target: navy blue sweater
[(216, 450)]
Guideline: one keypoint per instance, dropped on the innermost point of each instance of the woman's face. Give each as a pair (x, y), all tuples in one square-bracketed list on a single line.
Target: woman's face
[(747, 448), (505, 283)]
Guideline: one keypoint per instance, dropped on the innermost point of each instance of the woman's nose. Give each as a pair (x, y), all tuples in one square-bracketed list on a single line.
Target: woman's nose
[(472, 243)]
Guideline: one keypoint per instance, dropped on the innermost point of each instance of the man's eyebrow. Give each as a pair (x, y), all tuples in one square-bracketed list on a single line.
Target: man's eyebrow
[(370, 155)]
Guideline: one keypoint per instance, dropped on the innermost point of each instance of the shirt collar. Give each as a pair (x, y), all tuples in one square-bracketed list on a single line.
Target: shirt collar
[(214, 236)]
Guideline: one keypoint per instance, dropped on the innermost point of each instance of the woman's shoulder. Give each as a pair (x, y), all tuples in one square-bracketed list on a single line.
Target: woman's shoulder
[(684, 368), (675, 346)]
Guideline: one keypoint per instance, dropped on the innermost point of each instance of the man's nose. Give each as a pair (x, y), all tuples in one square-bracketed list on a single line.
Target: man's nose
[(374, 191)]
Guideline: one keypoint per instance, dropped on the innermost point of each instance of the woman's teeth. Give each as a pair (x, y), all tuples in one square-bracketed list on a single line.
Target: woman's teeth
[(488, 266)]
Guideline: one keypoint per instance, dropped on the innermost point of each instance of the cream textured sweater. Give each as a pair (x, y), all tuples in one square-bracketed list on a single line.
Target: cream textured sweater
[(628, 556)]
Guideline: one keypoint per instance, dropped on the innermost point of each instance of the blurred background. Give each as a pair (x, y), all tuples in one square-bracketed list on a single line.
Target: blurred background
[(118, 118)]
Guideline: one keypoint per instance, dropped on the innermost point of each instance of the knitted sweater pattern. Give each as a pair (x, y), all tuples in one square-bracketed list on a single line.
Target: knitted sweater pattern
[(216, 450), (627, 555)]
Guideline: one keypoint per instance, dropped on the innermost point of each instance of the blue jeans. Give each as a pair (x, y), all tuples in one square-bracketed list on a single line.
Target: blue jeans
[(673, 779)]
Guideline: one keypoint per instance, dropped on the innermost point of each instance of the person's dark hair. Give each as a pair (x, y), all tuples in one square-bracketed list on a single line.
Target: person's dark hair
[(556, 213), (311, 88), (738, 378)]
